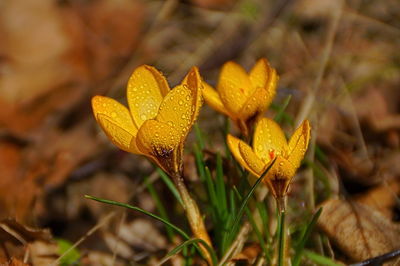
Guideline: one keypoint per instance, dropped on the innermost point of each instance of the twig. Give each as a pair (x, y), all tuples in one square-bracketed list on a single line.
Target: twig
[(308, 103), (240, 239)]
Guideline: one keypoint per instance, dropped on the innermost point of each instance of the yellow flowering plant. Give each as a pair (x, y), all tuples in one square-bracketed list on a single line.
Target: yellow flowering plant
[(158, 119), (243, 96), (156, 125), (269, 143), (277, 159)]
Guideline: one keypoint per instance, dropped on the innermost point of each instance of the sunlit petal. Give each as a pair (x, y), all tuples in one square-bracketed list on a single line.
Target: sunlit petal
[(234, 86), (161, 141), (298, 143), (269, 139), (211, 96), (259, 74), (255, 164), (255, 105), (116, 122), (176, 110), (194, 83), (145, 91), (272, 83), (233, 144)]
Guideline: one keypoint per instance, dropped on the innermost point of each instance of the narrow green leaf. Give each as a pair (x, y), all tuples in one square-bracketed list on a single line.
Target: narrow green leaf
[(199, 136), (194, 241), (246, 199), (220, 186), (304, 238), (281, 109), (111, 202), (198, 155), (262, 210), (319, 259), (170, 185), (160, 207), (211, 189)]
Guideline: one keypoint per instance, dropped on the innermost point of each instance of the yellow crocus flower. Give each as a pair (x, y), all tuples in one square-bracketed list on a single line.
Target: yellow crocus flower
[(269, 142), (243, 96), (158, 119), (156, 125)]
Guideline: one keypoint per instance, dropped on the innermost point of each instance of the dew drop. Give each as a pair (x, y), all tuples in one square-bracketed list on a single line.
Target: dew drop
[(143, 117), (180, 102)]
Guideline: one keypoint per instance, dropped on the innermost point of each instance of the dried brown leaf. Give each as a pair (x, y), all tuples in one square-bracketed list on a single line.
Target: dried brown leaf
[(359, 231)]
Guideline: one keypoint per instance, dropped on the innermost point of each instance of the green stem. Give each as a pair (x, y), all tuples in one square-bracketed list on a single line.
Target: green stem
[(281, 238), (193, 214)]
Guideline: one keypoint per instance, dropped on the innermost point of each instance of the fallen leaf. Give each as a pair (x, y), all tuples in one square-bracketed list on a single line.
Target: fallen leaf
[(43, 253), (248, 255), (142, 233), (358, 230), (382, 198)]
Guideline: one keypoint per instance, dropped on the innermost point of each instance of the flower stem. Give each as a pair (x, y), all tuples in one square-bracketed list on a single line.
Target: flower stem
[(281, 230), (193, 215)]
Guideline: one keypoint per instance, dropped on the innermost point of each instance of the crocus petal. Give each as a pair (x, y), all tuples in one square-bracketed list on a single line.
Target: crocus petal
[(272, 83), (263, 75), (177, 110), (233, 144), (160, 141), (255, 105), (234, 87), (298, 143), (146, 89), (116, 122), (211, 96), (255, 164), (269, 139), (259, 74), (279, 176), (194, 83)]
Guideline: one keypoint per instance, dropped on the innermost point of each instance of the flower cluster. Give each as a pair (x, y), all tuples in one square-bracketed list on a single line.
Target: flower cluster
[(159, 119)]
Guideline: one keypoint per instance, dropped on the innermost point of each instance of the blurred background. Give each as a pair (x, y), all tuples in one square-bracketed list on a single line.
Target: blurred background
[(339, 60)]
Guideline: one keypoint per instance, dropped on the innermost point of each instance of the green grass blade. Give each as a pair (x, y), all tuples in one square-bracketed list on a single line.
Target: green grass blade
[(304, 238), (211, 188), (245, 200), (170, 185), (262, 210), (281, 109), (160, 207), (256, 230), (111, 202), (198, 156), (199, 136), (220, 187), (319, 259), (187, 243)]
